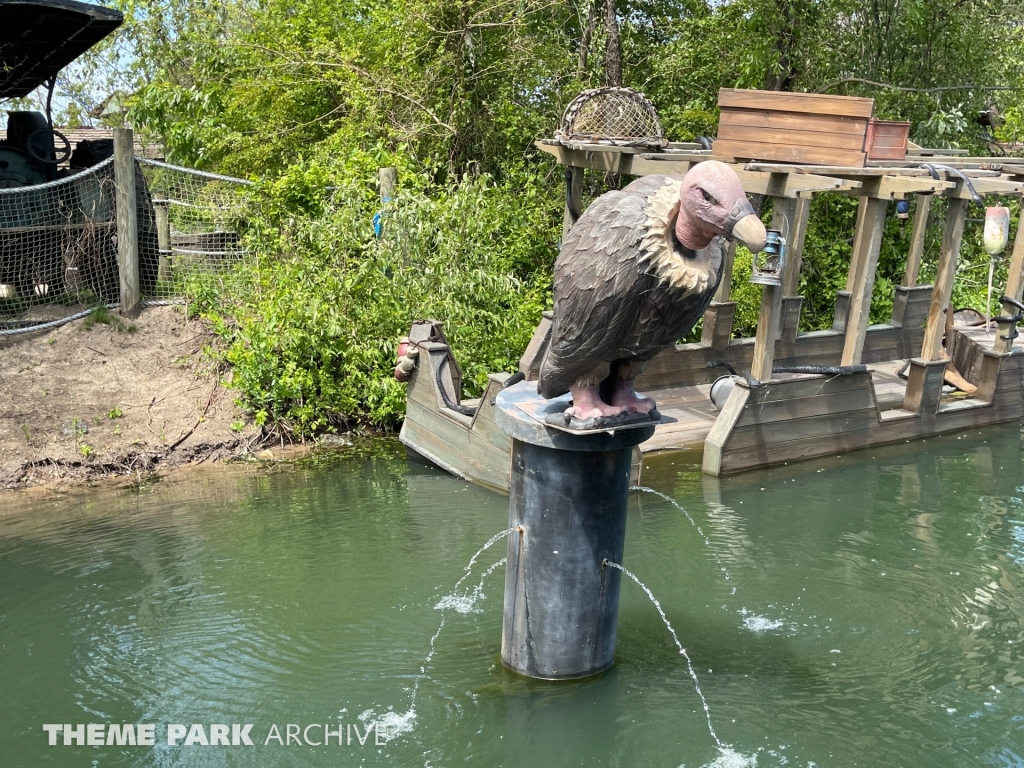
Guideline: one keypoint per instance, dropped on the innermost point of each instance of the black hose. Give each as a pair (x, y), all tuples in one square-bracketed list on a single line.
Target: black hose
[(1011, 318), (570, 204), (448, 402), (722, 364), (514, 379), (751, 381), (933, 169), (832, 370), (705, 141)]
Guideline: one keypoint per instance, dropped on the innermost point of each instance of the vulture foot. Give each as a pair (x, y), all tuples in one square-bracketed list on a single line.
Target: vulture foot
[(587, 404), (626, 398)]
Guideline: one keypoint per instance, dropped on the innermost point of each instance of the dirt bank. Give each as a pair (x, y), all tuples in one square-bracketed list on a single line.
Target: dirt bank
[(101, 397)]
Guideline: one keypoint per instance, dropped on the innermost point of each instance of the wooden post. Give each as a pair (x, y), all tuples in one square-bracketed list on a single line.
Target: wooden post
[(924, 206), (1014, 286), (718, 319), (724, 290), (387, 180), (163, 238), (767, 330), (792, 302), (841, 318), (867, 245), (576, 193), (952, 233), (127, 222), (795, 243)]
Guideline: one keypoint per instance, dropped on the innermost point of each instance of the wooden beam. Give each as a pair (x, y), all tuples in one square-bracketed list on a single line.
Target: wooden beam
[(1014, 288), (924, 206), (984, 187), (795, 243), (717, 329), (869, 243), (952, 233), (767, 332), (724, 290), (858, 234), (614, 160)]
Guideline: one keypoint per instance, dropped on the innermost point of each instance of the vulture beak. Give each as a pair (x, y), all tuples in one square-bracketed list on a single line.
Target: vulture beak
[(747, 227)]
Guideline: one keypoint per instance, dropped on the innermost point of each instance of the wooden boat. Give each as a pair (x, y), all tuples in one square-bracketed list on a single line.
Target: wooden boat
[(786, 416)]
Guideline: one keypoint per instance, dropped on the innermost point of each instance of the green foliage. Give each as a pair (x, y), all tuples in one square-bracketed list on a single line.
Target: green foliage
[(311, 98), (313, 330)]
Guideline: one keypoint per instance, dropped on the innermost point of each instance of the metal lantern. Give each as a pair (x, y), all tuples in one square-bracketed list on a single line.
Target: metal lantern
[(768, 263)]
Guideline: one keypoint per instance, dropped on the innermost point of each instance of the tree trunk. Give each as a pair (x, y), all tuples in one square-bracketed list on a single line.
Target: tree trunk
[(588, 35), (785, 43), (613, 48)]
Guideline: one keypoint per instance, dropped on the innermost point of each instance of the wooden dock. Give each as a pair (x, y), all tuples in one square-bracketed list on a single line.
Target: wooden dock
[(786, 417)]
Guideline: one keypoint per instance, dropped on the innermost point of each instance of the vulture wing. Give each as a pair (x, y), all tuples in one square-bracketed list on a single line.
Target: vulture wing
[(598, 288)]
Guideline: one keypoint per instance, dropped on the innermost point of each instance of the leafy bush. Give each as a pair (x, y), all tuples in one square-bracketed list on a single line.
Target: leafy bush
[(313, 323)]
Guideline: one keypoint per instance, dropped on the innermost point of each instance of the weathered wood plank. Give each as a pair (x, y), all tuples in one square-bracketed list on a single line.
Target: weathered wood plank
[(817, 427), (914, 255), (771, 411), (952, 234), (717, 438), (127, 223), (717, 329), (794, 259), (753, 150), (813, 103), (809, 386), (730, 131), (782, 121), (868, 244), (924, 385)]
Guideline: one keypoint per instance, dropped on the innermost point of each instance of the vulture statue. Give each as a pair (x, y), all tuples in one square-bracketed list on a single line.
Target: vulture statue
[(635, 273)]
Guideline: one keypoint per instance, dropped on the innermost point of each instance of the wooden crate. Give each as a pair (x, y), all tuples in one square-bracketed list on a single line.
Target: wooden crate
[(887, 139), (811, 128)]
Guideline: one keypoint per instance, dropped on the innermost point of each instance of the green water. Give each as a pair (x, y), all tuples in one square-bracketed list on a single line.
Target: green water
[(872, 615)]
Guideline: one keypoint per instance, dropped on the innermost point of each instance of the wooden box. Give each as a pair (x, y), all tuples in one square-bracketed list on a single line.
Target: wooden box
[(887, 139), (809, 128)]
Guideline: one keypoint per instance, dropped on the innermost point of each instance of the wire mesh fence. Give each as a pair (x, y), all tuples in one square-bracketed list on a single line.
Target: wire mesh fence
[(59, 239), (198, 222)]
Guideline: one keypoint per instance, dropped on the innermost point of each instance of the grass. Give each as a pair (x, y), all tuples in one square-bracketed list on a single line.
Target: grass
[(103, 316)]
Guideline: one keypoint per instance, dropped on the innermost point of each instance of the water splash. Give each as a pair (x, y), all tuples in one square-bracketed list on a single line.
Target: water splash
[(468, 603), (682, 651), (391, 724), (681, 508)]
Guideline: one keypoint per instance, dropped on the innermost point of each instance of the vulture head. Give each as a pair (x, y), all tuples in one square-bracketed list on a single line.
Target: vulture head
[(712, 202)]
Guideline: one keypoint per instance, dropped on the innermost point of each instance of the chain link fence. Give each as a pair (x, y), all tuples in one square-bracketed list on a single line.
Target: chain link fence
[(58, 240)]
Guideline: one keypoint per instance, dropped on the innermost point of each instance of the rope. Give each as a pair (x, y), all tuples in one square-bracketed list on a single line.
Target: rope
[(63, 181), (192, 171), (79, 315)]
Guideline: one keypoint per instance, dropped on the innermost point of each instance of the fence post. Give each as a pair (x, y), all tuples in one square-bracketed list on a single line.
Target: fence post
[(163, 238), (127, 223), (388, 180)]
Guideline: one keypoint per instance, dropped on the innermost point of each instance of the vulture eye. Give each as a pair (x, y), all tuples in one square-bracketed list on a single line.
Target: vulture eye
[(708, 197)]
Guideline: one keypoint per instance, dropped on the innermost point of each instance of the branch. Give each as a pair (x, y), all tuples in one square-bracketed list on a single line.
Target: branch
[(939, 89)]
